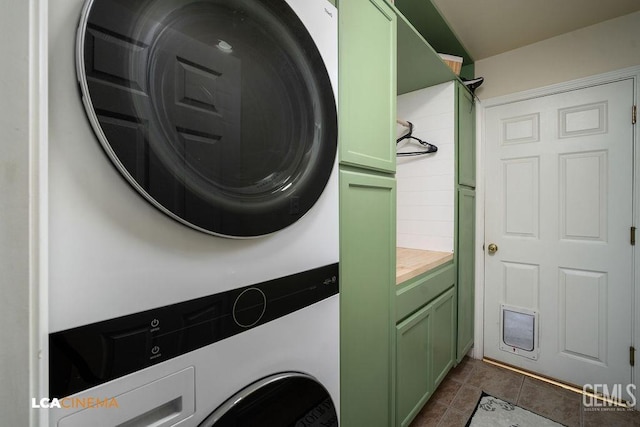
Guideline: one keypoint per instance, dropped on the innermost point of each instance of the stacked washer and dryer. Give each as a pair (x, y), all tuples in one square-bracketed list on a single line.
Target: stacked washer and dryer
[(193, 223)]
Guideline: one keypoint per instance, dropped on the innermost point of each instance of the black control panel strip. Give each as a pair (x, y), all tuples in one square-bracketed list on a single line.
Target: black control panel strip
[(86, 356)]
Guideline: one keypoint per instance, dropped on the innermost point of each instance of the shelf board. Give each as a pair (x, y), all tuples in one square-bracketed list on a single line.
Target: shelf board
[(419, 65), (429, 22)]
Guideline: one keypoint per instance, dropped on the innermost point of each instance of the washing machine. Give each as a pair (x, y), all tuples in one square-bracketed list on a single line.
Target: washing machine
[(193, 212)]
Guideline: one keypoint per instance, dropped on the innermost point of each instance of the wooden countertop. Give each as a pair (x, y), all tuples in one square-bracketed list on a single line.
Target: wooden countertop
[(413, 262)]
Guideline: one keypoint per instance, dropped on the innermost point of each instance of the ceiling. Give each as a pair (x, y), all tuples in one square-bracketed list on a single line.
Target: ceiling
[(489, 27)]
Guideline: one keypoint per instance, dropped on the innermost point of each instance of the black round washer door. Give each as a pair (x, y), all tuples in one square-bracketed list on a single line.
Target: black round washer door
[(219, 112), (289, 399)]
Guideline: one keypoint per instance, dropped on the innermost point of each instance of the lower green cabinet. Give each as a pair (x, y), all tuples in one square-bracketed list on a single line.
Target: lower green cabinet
[(425, 352), (466, 269), (367, 278)]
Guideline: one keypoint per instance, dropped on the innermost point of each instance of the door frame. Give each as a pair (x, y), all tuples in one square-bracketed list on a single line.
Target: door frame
[(599, 79)]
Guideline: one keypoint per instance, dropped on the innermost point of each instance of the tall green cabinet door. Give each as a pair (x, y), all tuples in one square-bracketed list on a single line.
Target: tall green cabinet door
[(367, 275), (466, 269), (466, 118), (367, 102)]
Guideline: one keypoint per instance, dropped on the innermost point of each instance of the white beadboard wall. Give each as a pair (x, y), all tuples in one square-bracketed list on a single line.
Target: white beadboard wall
[(425, 215)]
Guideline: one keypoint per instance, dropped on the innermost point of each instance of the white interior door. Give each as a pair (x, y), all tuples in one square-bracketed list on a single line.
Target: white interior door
[(559, 209)]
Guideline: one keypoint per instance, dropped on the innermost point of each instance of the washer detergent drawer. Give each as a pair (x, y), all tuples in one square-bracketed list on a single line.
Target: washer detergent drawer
[(161, 403)]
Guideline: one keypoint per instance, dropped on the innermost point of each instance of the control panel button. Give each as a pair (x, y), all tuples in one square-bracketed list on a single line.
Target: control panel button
[(164, 347), (249, 307)]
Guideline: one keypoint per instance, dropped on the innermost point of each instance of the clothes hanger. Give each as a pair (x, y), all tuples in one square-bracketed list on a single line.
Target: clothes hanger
[(429, 148)]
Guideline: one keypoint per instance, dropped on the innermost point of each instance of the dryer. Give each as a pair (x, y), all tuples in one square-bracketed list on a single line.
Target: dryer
[(193, 193)]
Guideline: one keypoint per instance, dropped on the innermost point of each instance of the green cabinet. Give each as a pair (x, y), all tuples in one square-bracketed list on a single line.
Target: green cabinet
[(367, 110), (425, 351), (436, 309), (389, 371), (465, 217), (367, 272), (367, 102), (466, 270)]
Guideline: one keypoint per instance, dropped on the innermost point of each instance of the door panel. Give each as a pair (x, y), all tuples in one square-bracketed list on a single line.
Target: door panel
[(413, 371), (466, 270), (559, 209), (443, 332), (466, 126), (521, 199), (367, 278), (367, 42)]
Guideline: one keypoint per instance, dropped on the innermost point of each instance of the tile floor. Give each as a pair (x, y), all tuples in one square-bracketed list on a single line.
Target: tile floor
[(454, 401)]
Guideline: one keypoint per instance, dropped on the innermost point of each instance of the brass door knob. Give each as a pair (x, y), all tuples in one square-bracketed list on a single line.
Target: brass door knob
[(493, 248)]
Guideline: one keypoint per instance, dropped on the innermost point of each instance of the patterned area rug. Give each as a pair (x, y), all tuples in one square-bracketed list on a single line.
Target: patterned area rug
[(493, 412)]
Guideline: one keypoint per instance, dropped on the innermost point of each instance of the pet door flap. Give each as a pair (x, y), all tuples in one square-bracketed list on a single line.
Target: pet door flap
[(518, 331)]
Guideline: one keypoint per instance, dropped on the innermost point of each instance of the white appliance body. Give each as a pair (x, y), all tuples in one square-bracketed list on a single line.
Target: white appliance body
[(185, 390), (114, 254)]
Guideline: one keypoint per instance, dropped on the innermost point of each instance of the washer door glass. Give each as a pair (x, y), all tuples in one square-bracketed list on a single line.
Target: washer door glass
[(288, 400), (220, 113)]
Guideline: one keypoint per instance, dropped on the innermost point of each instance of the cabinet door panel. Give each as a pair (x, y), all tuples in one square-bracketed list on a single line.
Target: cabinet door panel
[(443, 333), (367, 279), (466, 115), (466, 269), (426, 351), (413, 372), (367, 102)]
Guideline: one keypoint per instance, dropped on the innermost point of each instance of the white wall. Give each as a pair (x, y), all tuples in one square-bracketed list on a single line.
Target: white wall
[(607, 46), (426, 183)]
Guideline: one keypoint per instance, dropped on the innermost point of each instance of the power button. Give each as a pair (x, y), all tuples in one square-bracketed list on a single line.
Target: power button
[(249, 307)]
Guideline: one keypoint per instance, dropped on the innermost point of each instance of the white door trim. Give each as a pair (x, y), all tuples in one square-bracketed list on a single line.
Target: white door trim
[(623, 74), (610, 77)]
